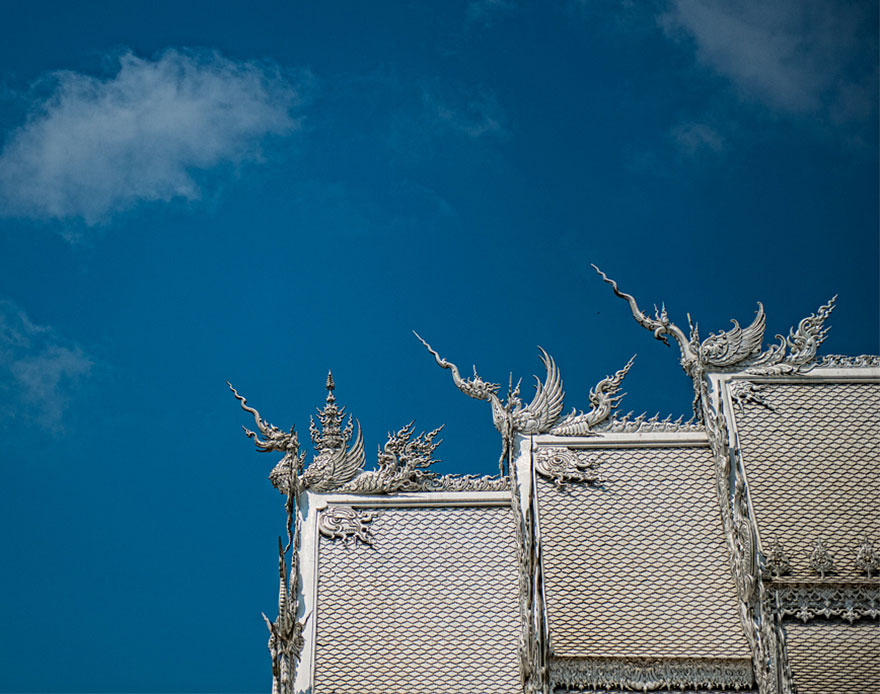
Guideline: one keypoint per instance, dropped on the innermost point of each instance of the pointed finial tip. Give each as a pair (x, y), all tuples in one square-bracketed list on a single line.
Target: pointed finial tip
[(330, 384)]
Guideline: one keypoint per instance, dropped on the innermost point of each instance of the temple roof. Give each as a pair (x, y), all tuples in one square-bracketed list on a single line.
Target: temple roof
[(811, 453)]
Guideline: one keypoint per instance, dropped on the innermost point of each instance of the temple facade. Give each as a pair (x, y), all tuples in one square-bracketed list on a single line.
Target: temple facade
[(736, 551)]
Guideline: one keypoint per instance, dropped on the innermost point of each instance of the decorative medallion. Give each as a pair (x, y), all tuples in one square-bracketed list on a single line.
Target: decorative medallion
[(344, 523), (568, 465)]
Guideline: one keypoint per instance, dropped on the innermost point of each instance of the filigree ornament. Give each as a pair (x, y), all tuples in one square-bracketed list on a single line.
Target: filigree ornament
[(643, 674), (568, 465), (746, 392), (333, 466), (603, 399), (346, 523), (841, 361), (776, 561), (738, 348), (402, 464), (867, 558), (536, 418), (821, 561), (628, 424), (844, 601)]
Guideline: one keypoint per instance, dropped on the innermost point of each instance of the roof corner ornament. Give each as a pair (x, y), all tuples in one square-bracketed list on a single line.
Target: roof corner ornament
[(735, 348), (509, 416), (603, 399)]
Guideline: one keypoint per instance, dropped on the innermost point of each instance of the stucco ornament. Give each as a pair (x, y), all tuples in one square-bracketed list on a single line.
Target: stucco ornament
[(821, 561), (776, 560), (737, 348), (509, 416), (346, 523), (867, 558), (603, 399), (568, 465)]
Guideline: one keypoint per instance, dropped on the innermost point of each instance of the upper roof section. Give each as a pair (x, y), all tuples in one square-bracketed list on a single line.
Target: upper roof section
[(811, 453)]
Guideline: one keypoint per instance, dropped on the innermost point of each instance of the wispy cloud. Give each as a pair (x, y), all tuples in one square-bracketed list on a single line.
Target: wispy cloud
[(474, 114), (39, 369), (463, 115), (484, 12), (697, 139), (94, 146), (795, 56)]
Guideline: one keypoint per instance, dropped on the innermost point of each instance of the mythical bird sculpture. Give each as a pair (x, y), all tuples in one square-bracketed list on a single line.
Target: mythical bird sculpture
[(334, 465), (510, 415), (735, 348)]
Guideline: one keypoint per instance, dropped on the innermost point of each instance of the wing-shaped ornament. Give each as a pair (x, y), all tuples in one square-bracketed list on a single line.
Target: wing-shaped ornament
[(547, 404), (332, 469)]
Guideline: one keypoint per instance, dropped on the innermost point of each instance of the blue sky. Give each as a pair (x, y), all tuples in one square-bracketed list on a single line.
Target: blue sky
[(261, 191)]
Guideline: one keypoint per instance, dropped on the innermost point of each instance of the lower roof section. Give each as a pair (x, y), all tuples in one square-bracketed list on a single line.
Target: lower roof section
[(426, 600), (828, 657)]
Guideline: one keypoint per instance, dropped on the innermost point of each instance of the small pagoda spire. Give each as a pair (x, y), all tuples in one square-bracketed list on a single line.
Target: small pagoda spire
[(331, 436)]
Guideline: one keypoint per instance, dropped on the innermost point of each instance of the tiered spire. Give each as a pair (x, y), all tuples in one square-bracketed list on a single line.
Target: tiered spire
[(331, 436)]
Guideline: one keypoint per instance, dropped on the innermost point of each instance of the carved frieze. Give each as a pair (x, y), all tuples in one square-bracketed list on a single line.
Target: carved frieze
[(806, 601), (643, 674), (346, 523)]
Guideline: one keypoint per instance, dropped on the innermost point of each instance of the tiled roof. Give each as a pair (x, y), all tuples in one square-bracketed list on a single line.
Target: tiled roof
[(834, 657), (431, 607), (638, 566), (811, 453)]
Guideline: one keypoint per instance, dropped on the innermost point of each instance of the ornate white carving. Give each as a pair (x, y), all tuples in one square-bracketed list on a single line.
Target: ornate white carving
[(867, 558), (821, 561), (737, 348), (603, 400), (643, 674), (509, 416), (568, 465), (776, 561), (840, 361), (402, 464), (806, 601), (742, 392), (346, 523), (631, 425), (332, 466)]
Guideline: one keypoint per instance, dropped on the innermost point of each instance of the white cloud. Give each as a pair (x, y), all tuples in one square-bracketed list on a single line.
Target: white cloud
[(38, 368), (796, 56), (95, 146)]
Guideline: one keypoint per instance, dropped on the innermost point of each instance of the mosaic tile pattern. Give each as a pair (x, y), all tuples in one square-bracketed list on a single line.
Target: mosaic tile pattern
[(639, 566), (431, 607), (812, 458), (834, 657)]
